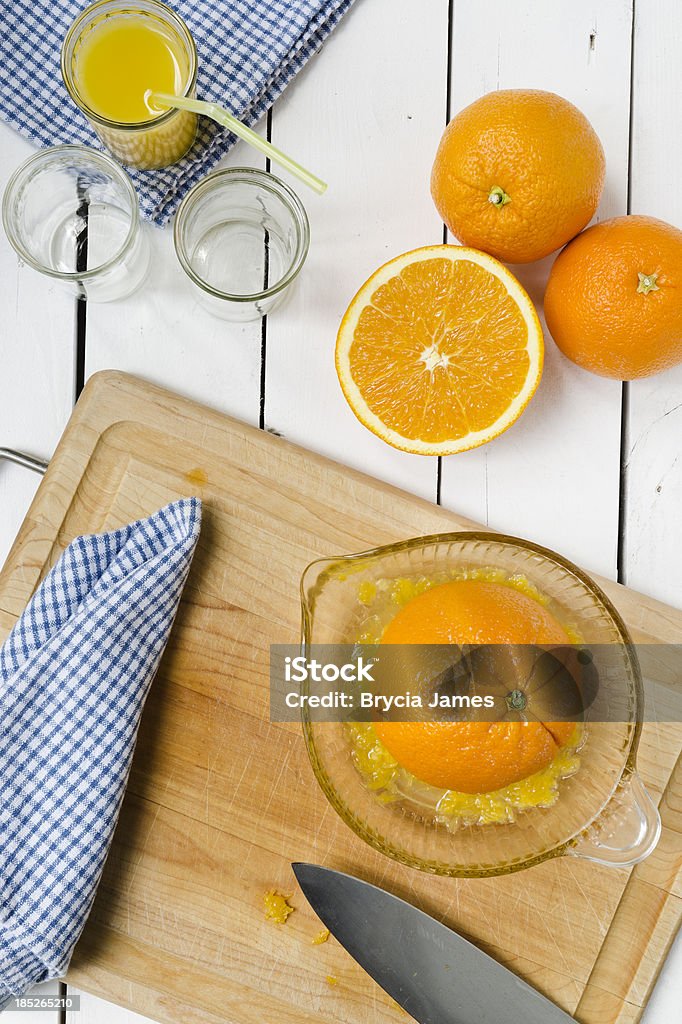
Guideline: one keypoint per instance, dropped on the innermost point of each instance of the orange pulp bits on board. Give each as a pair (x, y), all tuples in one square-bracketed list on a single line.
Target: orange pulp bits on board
[(440, 350), (277, 906), (476, 756)]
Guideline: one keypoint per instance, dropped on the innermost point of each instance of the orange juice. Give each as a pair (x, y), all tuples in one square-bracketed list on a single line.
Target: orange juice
[(122, 60), (114, 56)]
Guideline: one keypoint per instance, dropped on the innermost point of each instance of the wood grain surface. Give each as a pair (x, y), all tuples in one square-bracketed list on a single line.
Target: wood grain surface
[(221, 800)]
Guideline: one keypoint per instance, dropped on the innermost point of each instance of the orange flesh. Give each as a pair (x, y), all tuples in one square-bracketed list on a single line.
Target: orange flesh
[(441, 351)]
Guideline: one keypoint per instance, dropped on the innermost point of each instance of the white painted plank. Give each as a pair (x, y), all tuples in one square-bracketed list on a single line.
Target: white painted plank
[(666, 998), (36, 394), (97, 1011), (162, 334), (554, 476), (36, 362), (653, 554), (652, 551), (366, 116)]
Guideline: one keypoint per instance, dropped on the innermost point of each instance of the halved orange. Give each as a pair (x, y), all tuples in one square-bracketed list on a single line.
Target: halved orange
[(440, 350), (477, 756)]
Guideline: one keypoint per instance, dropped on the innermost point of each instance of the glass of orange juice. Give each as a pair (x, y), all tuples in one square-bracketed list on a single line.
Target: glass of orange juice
[(114, 55)]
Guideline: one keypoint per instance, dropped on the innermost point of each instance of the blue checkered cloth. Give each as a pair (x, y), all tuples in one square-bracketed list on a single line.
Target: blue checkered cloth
[(74, 675), (249, 50)]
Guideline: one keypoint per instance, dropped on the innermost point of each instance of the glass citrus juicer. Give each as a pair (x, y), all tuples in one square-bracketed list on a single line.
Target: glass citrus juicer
[(602, 811)]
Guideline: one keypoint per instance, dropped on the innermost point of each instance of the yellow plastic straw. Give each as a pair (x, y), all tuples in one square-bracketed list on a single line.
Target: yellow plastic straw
[(223, 117)]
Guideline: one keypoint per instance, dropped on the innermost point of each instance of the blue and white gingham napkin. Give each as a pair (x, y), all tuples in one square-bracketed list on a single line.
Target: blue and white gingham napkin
[(249, 50), (74, 675)]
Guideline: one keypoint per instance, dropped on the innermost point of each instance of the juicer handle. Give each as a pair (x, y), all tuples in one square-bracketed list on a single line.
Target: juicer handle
[(626, 831)]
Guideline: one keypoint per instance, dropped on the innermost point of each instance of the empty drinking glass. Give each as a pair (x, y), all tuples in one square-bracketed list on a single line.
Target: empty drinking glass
[(71, 213), (241, 236)]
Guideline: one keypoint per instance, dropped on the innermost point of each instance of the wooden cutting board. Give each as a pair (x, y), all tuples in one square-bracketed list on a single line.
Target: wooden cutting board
[(221, 801)]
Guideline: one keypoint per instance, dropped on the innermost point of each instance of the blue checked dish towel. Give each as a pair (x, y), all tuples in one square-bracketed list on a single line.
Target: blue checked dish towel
[(74, 675), (249, 50)]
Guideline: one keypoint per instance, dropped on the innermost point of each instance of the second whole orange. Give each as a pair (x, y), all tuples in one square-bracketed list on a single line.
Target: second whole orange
[(614, 298), (518, 173), (475, 756)]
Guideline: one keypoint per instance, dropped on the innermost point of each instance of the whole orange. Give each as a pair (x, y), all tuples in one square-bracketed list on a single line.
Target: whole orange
[(614, 298), (479, 756), (518, 173)]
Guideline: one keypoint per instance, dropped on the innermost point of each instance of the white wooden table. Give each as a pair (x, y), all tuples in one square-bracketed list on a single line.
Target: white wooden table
[(592, 469)]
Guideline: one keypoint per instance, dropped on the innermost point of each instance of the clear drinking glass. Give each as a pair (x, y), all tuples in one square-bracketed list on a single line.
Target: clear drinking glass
[(71, 213), (162, 139), (241, 236)]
